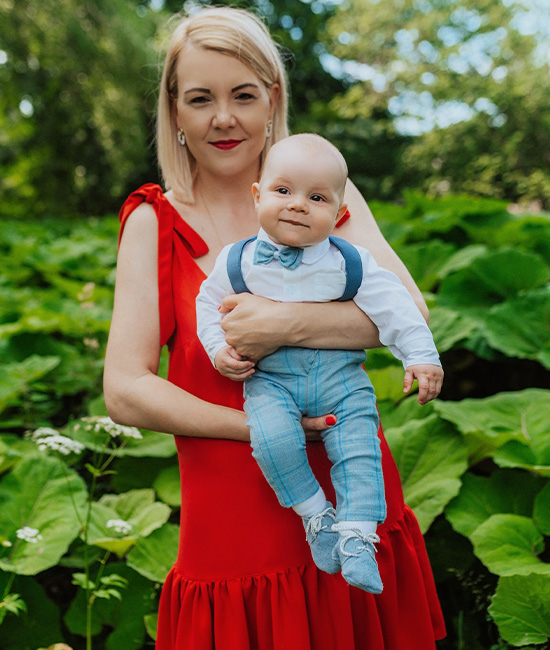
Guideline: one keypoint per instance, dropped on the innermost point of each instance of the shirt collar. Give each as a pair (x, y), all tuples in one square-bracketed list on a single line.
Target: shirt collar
[(312, 254)]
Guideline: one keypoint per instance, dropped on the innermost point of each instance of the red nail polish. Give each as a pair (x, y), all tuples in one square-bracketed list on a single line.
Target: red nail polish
[(330, 420)]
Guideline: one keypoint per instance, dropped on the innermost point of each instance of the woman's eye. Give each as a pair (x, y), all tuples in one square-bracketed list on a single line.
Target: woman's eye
[(199, 100), (245, 97)]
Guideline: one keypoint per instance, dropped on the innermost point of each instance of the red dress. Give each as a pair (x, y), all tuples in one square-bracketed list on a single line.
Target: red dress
[(244, 578)]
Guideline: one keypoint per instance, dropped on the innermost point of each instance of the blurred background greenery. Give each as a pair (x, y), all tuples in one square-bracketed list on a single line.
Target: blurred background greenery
[(444, 96)]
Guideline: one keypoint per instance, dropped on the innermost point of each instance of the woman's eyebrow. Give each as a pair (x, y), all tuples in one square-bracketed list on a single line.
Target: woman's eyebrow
[(208, 91)]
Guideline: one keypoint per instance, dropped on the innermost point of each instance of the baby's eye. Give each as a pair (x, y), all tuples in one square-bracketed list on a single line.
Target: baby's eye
[(317, 197), (282, 190)]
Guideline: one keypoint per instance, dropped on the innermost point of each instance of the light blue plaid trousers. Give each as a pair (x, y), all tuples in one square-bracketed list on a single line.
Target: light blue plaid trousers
[(300, 381)]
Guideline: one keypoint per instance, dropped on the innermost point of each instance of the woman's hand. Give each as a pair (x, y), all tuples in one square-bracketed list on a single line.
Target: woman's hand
[(313, 426), (251, 324)]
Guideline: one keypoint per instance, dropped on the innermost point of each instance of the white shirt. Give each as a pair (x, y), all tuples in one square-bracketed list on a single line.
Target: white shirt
[(321, 277)]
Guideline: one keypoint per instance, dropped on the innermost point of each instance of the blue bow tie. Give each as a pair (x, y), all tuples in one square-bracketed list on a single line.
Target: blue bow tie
[(288, 257)]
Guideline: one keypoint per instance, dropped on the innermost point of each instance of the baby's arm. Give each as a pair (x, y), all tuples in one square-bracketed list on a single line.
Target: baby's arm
[(230, 364), (209, 318), (430, 380)]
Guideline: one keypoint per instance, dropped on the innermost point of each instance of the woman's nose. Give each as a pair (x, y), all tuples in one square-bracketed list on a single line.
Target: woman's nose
[(223, 118)]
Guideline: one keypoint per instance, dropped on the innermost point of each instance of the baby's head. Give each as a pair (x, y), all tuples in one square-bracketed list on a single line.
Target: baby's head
[(300, 196)]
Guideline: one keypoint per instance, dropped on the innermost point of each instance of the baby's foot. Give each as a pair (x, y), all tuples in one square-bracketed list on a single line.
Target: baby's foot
[(356, 554), (322, 539)]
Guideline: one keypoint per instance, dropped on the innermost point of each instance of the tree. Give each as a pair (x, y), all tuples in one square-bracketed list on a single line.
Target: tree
[(74, 129), (464, 71)]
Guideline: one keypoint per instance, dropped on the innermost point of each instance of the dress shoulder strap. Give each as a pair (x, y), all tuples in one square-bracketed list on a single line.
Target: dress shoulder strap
[(153, 194)]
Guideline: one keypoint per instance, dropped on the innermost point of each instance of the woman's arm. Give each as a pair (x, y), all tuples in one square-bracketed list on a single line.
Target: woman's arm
[(134, 394), (361, 229), (256, 327)]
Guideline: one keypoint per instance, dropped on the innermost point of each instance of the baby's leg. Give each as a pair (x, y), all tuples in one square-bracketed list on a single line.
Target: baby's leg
[(278, 443), (354, 449), (278, 440)]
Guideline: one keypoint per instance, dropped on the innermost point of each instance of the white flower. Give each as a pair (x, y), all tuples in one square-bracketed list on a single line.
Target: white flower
[(6, 543), (47, 438), (98, 424), (28, 534), (120, 526)]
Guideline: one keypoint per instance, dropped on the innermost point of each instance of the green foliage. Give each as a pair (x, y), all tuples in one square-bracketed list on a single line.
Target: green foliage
[(74, 114), (479, 458), (471, 79), (94, 504)]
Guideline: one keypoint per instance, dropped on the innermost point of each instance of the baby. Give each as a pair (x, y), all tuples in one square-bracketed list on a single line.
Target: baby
[(299, 199)]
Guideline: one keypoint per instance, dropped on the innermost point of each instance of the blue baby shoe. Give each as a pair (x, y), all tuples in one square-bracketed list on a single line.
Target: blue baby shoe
[(356, 554), (322, 539)]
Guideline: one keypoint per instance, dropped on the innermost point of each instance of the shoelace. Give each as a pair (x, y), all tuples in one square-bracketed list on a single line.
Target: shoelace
[(368, 541), (315, 523)]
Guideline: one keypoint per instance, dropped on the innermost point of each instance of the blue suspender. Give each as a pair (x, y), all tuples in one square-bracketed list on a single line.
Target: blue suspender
[(354, 266), (234, 270)]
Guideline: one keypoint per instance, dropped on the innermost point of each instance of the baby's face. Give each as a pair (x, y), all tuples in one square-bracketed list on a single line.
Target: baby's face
[(299, 197)]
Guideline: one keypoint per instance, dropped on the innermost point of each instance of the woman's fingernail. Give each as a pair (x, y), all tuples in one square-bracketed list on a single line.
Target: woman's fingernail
[(330, 420)]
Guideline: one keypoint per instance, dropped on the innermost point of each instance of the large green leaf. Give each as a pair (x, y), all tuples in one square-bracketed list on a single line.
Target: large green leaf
[(505, 491), (430, 457), (493, 421), (521, 609), (38, 499), (424, 261), (167, 485), (463, 258), (541, 512), (118, 520), (491, 279), (154, 556), (521, 327), (509, 545), (449, 327), (16, 378)]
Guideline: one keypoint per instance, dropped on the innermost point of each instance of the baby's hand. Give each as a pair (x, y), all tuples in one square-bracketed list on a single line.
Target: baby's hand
[(232, 365), (430, 380)]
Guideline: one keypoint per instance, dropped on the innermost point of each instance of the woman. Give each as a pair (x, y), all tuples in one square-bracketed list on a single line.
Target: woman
[(222, 104)]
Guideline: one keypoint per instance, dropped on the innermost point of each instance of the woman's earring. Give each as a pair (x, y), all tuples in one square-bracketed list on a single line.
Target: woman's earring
[(181, 137), (268, 128)]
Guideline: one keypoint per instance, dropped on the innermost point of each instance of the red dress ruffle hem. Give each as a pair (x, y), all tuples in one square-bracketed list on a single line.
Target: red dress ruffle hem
[(244, 578)]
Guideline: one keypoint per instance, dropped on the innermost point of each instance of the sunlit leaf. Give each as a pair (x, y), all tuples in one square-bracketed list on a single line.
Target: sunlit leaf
[(521, 609), (430, 457), (509, 545)]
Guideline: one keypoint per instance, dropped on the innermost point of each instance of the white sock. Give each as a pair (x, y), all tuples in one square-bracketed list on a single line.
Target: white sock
[(366, 527), (312, 506)]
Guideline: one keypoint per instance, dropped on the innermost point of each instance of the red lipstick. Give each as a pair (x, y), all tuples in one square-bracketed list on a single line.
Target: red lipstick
[(225, 145)]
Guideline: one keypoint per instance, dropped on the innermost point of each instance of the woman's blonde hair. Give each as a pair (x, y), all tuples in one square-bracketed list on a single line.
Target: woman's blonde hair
[(234, 32)]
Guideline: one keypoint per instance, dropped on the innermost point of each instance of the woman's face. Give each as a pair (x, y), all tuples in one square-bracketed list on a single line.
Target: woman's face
[(223, 109)]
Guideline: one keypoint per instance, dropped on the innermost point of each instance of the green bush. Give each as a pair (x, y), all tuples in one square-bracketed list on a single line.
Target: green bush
[(88, 509)]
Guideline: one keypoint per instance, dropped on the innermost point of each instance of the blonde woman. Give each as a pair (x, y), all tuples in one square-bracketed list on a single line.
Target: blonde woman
[(244, 578)]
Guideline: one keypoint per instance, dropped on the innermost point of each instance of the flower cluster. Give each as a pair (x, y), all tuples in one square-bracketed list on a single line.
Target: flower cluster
[(120, 526), (47, 438), (29, 534), (98, 424)]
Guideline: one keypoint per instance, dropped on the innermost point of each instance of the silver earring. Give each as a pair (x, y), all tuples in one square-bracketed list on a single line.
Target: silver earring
[(268, 128), (181, 137)]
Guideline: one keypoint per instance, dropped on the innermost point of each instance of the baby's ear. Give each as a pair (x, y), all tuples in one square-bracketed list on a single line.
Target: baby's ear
[(341, 212), (256, 193)]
